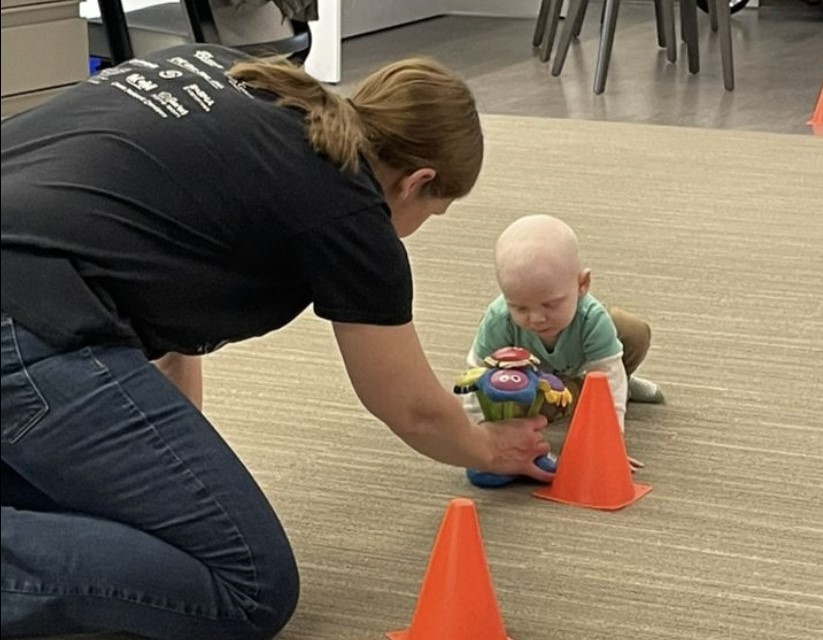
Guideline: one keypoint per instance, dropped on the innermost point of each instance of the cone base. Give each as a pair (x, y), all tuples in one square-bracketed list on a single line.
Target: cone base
[(639, 490), (456, 600), (405, 635)]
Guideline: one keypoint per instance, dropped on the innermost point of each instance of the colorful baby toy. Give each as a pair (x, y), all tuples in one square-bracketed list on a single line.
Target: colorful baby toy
[(511, 385)]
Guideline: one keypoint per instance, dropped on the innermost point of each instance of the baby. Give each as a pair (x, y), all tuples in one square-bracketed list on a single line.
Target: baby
[(545, 307)]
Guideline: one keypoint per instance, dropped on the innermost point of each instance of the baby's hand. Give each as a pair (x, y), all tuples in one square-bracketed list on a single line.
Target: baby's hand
[(635, 464)]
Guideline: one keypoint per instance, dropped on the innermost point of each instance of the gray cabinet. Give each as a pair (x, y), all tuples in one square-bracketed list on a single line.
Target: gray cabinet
[(44, 50)]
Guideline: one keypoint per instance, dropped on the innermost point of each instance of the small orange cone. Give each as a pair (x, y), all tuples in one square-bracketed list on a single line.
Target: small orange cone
[(593, 470), (457, 601), (816, 121)]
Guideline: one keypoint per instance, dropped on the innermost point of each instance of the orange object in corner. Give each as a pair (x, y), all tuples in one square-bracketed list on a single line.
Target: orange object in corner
[(593, 470), (457, 600), (816, 121)]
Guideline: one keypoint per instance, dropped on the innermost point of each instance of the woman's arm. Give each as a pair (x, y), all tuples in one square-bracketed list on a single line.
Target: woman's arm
[(393, 379), (186, 372)]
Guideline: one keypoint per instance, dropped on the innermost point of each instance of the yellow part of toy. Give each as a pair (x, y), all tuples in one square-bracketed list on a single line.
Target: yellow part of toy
[(559, 398), (467, 381)]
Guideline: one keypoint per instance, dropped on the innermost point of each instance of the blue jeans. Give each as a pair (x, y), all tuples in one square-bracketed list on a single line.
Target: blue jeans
[(123, 509)]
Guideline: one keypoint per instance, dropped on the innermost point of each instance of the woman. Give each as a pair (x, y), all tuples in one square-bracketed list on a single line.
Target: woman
[(158, 211)]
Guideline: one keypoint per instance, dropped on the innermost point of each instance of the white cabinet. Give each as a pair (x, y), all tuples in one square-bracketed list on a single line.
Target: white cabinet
[(44, 49)]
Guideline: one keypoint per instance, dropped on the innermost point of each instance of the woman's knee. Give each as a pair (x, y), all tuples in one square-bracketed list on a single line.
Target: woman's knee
[(258, 591), (278, 597)]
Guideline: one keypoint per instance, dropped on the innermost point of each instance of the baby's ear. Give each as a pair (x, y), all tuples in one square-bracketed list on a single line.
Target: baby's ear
[(584, 282)]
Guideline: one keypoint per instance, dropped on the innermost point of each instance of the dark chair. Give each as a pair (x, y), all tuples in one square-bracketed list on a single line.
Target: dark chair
[(666, 34), (546, 28)]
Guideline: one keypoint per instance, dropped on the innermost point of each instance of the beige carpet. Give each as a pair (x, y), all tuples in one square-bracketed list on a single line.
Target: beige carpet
[(717, 239)]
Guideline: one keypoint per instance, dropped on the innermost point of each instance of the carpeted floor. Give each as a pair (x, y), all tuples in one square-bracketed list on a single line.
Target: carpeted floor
[(716, 238)]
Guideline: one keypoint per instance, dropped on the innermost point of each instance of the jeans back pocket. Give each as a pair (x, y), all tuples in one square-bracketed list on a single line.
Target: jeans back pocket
[(23, 406)]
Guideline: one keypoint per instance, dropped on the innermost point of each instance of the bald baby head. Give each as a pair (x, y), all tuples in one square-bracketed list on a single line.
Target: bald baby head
[(537, 246), (540, 274)]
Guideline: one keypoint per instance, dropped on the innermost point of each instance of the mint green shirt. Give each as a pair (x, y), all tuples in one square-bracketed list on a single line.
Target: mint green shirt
[(590, 336)]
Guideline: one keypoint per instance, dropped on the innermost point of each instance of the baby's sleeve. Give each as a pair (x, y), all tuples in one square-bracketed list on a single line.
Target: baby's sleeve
[(618, 383)]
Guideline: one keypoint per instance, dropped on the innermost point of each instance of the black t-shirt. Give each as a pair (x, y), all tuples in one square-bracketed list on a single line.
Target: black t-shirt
[(162, 204)]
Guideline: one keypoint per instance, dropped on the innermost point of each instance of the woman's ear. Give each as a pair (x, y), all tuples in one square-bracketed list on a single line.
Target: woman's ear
[(411, 185)]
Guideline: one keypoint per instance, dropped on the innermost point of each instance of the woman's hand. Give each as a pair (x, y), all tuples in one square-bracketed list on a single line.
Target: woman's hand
[(514, 445)]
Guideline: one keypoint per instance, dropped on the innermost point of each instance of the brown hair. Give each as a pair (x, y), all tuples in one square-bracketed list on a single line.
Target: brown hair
[(411, 114)]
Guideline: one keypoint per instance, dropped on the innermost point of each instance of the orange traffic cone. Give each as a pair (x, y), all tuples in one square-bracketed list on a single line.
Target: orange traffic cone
[(816, 121), (593, 470), (456, 601)]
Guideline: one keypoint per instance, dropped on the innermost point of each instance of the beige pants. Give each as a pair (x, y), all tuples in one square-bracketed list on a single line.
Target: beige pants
[(636, 336)]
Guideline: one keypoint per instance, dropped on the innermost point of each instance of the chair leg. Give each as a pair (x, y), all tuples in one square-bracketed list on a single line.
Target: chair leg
[(713, 14), (688, 25), (604, 52), (551, 29), (540, 26), (667, 11), (576, 9), (658, 18), (578, 22), (725, 32)]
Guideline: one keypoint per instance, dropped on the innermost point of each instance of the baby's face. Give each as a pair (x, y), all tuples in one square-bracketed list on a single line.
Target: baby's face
[(543, 306)]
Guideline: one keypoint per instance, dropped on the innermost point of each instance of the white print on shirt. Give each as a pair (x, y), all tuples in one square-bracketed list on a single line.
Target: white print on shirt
[(209, 347), (207, 57), (139, 98), (199, 96), (237, 84), (188, 66), (140, 82), (105, 74), (167, 74), (171, 103), (137, 62)]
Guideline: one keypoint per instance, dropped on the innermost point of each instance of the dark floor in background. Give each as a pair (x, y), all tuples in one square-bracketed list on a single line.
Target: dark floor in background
[(778, 52)]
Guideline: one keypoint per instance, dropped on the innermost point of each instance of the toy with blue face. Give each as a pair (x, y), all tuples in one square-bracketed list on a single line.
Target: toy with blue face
[(511, 385)]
